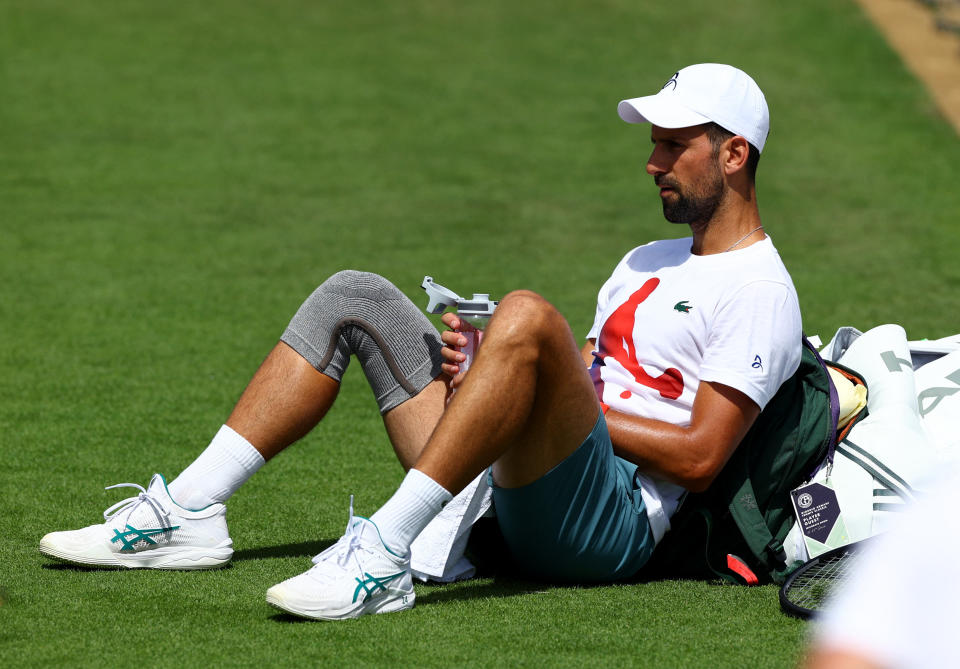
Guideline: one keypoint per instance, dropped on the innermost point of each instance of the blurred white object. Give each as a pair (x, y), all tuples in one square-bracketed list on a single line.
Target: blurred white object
[(901, 608)]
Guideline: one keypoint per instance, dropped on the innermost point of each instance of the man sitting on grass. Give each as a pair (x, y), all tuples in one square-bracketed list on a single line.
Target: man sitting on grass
[(589, 451)]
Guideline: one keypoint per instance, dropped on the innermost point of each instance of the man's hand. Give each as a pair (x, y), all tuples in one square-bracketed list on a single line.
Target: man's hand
[(452, 341)]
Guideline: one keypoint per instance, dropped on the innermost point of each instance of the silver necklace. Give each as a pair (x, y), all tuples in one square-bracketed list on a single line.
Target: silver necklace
[(737, 243)]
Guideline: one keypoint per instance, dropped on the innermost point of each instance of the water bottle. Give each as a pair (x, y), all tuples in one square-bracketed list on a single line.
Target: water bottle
[(473, 312)]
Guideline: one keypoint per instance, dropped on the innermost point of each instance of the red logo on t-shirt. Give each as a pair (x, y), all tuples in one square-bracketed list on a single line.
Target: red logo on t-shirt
[(616, 339)]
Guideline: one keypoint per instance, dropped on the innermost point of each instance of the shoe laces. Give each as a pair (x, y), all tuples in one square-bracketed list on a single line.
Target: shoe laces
[(346, 549), (132, 503)]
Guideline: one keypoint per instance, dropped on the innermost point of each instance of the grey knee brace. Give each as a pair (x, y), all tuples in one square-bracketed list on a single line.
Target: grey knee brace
[(364, 314)]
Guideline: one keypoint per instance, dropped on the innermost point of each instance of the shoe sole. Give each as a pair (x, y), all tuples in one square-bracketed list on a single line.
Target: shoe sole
[(164, 557), (394, 601)]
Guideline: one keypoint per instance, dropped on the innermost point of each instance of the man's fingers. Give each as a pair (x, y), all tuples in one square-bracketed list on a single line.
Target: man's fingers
[(451, 320), (453, 339), (452, 355)]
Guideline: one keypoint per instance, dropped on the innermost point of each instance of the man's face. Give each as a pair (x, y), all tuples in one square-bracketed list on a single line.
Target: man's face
[(686, 168)]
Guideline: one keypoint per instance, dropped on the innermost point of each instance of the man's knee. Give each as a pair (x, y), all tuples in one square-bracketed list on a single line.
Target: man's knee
[(352, 285), (364, 314), (342, 301), (529, 315)]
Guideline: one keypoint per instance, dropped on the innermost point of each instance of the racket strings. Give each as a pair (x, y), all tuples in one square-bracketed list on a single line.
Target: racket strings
[(812, 587)]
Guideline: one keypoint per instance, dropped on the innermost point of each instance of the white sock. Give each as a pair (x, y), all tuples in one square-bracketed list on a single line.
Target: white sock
[(221, 469), (418, 499)]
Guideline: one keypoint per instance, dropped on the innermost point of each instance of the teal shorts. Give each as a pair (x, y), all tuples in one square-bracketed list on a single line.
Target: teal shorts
[(583, 521)]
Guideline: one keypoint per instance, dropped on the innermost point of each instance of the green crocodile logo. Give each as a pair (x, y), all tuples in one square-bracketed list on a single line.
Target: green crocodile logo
[(682, 307)]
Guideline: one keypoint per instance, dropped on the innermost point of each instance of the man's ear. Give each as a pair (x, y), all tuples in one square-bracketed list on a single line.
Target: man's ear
[(735, 154)]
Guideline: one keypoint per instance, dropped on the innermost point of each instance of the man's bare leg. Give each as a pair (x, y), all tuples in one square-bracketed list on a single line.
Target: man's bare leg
[(525, 405), (286, 399), (410, 424), (350, 313)]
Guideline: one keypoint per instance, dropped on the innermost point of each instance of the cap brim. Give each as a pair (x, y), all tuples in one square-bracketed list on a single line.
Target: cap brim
[(659, 110)]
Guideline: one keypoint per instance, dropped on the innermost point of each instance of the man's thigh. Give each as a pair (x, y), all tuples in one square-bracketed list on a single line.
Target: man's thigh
[(584, 521), (563, 404)]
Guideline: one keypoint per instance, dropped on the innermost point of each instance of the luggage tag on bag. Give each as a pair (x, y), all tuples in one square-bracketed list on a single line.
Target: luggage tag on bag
[(818, 512)]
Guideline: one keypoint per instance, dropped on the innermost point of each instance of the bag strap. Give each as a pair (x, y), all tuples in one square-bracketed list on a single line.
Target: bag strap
[(834, 404), (707, 517)]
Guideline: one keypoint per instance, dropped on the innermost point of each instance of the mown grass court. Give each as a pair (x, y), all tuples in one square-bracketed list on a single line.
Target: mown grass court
[(176, 178)]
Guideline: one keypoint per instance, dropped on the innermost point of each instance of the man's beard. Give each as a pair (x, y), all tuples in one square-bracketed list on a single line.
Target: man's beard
[(696, 207)]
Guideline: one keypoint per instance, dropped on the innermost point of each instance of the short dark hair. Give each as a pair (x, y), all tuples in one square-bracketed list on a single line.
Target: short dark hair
[(718, 135)]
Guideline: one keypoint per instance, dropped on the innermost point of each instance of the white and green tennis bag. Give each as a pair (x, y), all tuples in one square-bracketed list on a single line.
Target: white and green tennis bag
[(910, 427)]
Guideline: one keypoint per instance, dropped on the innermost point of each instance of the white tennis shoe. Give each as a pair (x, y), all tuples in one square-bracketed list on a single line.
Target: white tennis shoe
[(355, 576), (149, 531)]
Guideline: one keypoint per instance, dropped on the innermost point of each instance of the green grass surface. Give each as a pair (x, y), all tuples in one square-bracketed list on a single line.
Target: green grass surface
[(176, 177)]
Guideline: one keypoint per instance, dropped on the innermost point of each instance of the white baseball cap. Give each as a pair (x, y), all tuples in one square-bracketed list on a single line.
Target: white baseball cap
[(703, 93)]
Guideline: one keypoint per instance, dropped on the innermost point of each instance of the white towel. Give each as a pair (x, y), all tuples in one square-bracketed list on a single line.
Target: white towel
[(437, 553)]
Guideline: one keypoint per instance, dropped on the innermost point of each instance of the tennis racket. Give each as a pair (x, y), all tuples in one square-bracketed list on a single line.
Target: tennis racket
[(805, 590)]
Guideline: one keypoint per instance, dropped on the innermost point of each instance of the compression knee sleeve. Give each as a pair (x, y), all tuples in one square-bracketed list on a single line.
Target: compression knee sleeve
[(366, 315)]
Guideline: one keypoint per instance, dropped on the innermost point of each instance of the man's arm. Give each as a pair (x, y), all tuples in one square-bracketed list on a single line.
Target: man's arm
[(688, 456), (587, 352)]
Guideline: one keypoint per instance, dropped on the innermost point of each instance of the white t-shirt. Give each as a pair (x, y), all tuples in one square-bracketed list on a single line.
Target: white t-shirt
[(667, 320)]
